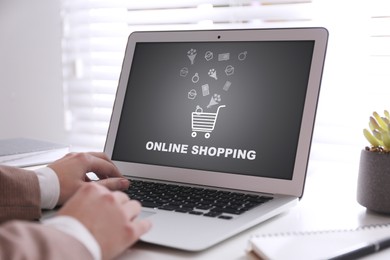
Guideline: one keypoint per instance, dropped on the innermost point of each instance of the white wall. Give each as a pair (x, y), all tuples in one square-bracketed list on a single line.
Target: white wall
[(31, 98)]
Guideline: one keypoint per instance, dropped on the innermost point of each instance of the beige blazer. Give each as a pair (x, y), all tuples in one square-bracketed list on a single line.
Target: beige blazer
[(20, 239)]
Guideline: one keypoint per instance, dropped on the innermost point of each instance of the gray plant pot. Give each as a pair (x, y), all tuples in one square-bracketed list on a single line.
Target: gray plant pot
[(373, 189)]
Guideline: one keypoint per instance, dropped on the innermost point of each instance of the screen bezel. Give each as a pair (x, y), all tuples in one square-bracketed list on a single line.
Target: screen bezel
[(292, 187)]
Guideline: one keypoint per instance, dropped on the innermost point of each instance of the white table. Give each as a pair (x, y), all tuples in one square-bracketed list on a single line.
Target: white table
[(329, 202)]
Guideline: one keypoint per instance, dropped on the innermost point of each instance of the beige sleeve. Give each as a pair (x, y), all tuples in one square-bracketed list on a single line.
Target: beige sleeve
[(26, 240), (19, 194)]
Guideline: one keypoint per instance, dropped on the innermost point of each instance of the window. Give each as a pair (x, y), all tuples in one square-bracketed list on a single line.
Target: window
[(355, 76)]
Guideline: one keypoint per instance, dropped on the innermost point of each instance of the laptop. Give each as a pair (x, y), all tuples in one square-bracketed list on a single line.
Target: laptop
[(227, 112)]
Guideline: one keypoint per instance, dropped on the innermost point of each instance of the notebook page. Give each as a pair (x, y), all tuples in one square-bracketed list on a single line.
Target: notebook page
[(314, 245)]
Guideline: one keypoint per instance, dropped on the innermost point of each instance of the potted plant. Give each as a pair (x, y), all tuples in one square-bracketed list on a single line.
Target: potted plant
[(373, 189)]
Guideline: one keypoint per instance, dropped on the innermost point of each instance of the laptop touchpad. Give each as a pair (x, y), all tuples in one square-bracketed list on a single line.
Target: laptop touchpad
[(145, 214)]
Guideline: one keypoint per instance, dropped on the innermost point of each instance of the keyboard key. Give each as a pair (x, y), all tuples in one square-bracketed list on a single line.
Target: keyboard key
[(147, 204), (225, 217), (196, 212), (212, 214)]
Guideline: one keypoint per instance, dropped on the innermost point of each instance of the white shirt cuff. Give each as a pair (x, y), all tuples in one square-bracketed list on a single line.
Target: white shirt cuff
[(74, 228), (49, 186)]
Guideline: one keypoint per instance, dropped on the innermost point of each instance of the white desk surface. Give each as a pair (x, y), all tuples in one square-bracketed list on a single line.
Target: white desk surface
[(329, 202)]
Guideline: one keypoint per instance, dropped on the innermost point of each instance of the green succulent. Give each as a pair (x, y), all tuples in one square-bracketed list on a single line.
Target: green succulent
[(379, 134)]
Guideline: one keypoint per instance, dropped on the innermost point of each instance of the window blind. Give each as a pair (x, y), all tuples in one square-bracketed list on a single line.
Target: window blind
[(379, 46), (356, 78), (95, 34), (355, 81)]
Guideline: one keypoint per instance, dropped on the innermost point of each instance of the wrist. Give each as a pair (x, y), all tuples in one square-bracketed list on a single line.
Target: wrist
[(77, 230), (49, 186)]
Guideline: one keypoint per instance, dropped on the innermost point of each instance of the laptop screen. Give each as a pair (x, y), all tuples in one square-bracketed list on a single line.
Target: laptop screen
[(232, 107)]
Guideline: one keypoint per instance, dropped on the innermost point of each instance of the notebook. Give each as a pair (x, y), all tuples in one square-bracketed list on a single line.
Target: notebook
[(316, 245), (231, 110), (24, 152)]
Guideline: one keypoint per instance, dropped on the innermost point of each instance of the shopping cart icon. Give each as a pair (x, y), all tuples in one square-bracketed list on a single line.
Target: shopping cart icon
[(204, 122)]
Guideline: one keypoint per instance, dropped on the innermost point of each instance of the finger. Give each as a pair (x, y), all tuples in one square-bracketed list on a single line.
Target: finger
[(102, 167), (101, 155), (132, 209), (92, 189), (140, 227), (121, 197), (115, 183)]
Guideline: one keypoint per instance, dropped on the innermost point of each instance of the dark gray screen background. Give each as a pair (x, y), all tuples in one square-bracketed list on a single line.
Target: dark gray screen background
[(264, 105)]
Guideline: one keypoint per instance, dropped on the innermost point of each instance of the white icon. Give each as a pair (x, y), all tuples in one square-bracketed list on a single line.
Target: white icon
[(208, 55), (191, 55), (227, 85), (195, 78), (214, 100), (205, 90), (192, 94), (184, 72), (213, 73), (198, 109), (229, 70), (242, 55), (203, 122), (223, 56)]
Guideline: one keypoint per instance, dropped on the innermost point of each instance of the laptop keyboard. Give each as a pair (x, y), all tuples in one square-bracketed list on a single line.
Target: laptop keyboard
[(193, 200)]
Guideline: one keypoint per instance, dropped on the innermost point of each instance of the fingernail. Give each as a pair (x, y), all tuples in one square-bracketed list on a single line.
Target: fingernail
[(124, 184)]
